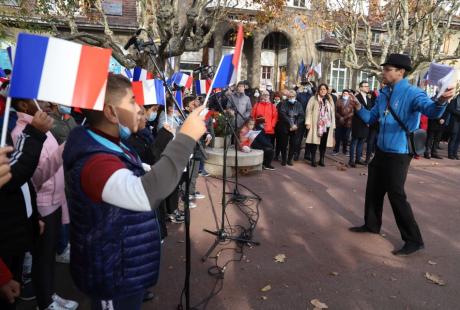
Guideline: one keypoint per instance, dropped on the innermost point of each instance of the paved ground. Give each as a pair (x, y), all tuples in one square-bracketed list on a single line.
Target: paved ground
[(305, 214)]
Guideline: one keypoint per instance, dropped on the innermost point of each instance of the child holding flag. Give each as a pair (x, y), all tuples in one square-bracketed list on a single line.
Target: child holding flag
[(115, 237)]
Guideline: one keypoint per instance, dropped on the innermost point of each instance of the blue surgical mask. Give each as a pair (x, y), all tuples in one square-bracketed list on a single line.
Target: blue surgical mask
[(123, 131), (64, 109), (152, 116), (345, 98), (292, 101)]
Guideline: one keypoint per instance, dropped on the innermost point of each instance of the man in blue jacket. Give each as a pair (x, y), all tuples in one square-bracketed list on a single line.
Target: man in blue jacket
[(388, 169)]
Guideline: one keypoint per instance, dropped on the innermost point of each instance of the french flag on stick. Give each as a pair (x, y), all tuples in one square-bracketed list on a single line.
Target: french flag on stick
[(149, 92), (182, 80), (60, 71), (202, 86), (138, 74)]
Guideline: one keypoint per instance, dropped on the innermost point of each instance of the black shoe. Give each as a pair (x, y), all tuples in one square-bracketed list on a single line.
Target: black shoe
[(436, 156), (283, 163), (268, 167), (360, 162), (451, 157), (290, 163), (408, 249), (352, 164), (148, 295), (276, 158), (427, 156), (296, 157), (361, 229), (321, 162), (457, 157), (314, 163)]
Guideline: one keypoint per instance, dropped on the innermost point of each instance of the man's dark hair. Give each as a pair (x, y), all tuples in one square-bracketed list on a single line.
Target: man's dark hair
[(188, 99), (7, 71), (117, 85), (345, 91), (362, 83), (15, 103)]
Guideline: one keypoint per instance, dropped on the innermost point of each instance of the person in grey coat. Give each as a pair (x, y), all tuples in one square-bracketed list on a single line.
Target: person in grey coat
[(240, 104)]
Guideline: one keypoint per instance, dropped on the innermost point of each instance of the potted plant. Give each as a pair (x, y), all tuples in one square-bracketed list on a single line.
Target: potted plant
[(220, 129)]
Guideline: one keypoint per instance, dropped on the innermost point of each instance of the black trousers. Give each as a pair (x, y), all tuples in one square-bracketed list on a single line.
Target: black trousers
[(43, 259), (258, 144), (307, 151), (432, 140), (300, 133), (285, 140), (14, 264), (322, 146), (387, 175)]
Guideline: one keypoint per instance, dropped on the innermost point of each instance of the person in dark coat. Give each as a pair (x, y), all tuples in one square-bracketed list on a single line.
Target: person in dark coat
[(454, 128), (373, 132), (434, 134), (290, 113), (19, 218), (303, 96), (359, 129)]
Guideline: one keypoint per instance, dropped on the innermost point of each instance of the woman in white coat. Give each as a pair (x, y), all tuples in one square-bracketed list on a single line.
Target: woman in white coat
[(320, 122)]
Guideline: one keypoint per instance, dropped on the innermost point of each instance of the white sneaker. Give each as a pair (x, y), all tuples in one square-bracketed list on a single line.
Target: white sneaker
[(64, 258), (64, 303), (192, 205), (54, 306), (199, 195)]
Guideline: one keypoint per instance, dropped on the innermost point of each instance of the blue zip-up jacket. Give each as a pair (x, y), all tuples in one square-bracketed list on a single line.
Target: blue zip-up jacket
[(408, 102)]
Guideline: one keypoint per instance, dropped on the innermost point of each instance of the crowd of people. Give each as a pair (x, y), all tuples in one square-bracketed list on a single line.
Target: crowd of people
[(97, 189)]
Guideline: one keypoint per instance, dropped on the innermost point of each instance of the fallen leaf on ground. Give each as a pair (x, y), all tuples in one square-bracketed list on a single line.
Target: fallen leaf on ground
[(280, 258), (264, 297), (341, 168), (393, 297), (318, 304), (432, 262), (393, 279), (354, 190), (435, 279), (363, 173), (266, 288), (334, 273)]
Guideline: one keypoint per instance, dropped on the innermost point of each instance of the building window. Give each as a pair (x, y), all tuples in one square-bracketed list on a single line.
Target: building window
[(376, 37), (275, 41), (338, 78), (267, 72), (372, 80), (298, 3)]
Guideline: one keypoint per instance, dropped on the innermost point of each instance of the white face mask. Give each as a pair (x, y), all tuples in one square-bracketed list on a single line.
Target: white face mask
[(284, 97), (345, 98), (256, 95)]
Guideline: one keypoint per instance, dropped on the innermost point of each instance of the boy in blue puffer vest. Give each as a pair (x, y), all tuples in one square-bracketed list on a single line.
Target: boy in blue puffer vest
[(114, 232)]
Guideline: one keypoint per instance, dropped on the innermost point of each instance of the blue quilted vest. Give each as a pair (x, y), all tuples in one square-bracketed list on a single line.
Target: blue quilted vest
[(114, 252)]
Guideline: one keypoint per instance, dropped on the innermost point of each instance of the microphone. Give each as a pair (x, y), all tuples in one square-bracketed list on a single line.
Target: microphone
[(132, 40)]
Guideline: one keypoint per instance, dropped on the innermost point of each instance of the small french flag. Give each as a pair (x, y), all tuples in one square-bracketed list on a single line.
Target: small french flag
[(202, 87), (60, 71), (182, 80), (149, 92), (138, 74)]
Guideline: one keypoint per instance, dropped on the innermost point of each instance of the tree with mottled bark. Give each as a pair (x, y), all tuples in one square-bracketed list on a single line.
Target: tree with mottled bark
[(418, 28)]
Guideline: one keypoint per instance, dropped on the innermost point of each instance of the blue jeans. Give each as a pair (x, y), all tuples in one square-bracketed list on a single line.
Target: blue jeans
[(356, 147), (454, 141), (131, 302)]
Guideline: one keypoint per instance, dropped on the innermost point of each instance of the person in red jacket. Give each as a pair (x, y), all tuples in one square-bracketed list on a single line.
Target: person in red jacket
[(269, 112)]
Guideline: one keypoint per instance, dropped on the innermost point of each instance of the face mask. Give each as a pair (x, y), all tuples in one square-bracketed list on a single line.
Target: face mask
[(256, 95), (269, 88), (277, 101), (152, 116), (345, 98), (292, 101), (262, 126), (64, 109), (123, 131), (284, 97)]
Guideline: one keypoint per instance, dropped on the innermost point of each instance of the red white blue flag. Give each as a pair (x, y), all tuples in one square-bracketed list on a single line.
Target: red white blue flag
[(60, 71)]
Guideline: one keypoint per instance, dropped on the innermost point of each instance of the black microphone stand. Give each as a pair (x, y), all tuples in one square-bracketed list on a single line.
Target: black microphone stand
[(221, 234), (152, 50)]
